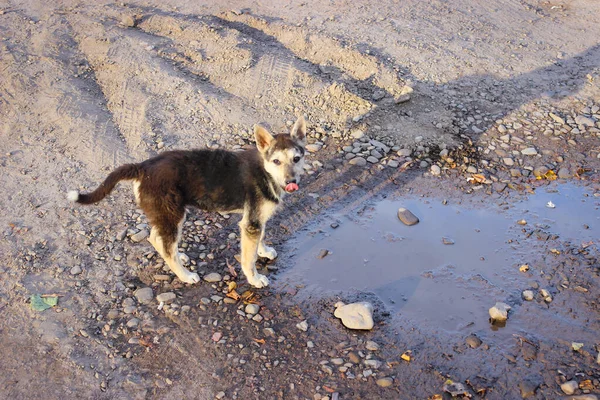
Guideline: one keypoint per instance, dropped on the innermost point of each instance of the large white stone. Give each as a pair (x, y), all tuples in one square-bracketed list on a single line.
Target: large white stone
[(356, 315), (499, 312)]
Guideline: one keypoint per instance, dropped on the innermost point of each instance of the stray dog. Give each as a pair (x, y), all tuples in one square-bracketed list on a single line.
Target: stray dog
[(251, 182)]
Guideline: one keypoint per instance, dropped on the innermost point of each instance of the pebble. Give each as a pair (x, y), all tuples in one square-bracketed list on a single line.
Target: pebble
[(508, 161), (371, 159), (556, 118), (133, 322), (447, 241), (212, 277), (404, 152), (355, 315), (569, 387), (528, 295), (385, 382), (564, 173), (128, 21), (527, 388), (372, 363), (167, 297), (372, 346), (407, 217), (436, 170), (252, 309), (583, 397), (585, 121), (393, 164), (121, 235), (473, 341), (313, 148), (530, 151), (303, 326), (323, 253), (499, 312), (76, 270), (144, 295), (357, 134), (361, 162), (141, 235)]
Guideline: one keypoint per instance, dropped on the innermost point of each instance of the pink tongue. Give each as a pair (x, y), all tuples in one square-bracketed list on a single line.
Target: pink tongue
[(291, 187)]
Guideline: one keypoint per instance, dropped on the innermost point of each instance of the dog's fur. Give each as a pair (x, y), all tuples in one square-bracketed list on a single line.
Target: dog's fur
[(250, 182)]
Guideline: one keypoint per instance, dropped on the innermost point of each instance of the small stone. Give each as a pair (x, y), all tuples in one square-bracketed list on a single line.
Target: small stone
[(313, 148), (499, 312), (83, 333), (257, 318), (447, 241), (113, 314), (167, 297), (404, 152), (303, 326), (359, 161), (220, 395), (508, 161), (213, 277), (585, 121), (371, 159), (323, 253), (372, 363), (564, 173), (556, 118), (356, 315), (128, 21), (582, 397), (378, 95), (522, 222), (407, 217), (141, 235), (144, 295), (569, 387), (527, 388), (385, 382), (530, 151), (371, 345), (473, 341), (528, 295), (121, 235), (76, 270), (357, 134), (133, 323), (252, 309), (436, 170), (376, 154), (393, 164)]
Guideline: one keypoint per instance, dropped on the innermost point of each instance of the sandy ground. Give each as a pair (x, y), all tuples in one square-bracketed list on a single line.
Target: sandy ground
[(86, 86)]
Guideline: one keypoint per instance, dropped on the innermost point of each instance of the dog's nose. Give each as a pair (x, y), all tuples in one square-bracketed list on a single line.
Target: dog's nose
[(290, 181)]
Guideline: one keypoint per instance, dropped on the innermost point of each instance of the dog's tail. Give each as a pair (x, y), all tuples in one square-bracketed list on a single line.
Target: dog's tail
[(127, 171)]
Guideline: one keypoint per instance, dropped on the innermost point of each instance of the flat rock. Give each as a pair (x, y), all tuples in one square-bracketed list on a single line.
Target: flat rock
[(361, 162), (473, 341), (435, 170), (356, 315), (144, 295), (371, 345), (385, 382), (141, 235), (569, 387), (76, 270), (313, 148), (252, 309), (212, 277), (357, 134), (371, 159), (530, 151), (528, 295), (407, 217), (527, 388), (582, 397), (167, 297), (557, 119), (499, 312), (584, 121), (404, 152)]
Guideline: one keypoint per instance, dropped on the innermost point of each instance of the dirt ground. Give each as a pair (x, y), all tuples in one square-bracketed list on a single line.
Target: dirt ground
[(479, 103)]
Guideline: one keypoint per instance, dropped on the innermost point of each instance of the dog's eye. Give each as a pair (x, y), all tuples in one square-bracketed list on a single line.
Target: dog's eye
[(296, 159), (276, 162)]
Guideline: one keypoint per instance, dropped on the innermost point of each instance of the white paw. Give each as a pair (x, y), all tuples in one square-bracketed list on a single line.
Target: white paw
[(258, 281), (190, 277), (267, 252), (185, 260)]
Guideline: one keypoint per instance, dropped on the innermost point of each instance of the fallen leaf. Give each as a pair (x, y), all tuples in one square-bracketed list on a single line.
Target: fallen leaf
[(259, 341), (406, 356), (233, 295), (328, 389), (231, 286), (231, 269), (550, 175), (41, 303), (586, 385), (145, 342)]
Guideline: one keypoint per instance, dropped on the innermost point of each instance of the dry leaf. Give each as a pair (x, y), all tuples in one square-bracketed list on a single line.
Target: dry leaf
[(406, 356), (231, 269), (328, 389), (233, 295), (550, 175), (259, 341)]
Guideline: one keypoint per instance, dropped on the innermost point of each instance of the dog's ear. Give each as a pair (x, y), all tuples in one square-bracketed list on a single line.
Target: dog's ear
[(263, 138), (298, 132)]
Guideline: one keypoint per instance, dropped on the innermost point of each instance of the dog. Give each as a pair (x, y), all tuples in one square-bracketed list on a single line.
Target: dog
[(251, 182)]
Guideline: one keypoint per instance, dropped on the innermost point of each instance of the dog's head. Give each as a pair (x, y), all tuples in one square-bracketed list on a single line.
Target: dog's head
[(283, 155)]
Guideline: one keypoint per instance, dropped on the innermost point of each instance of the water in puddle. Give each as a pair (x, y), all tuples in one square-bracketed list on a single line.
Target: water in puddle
[(421, 279)]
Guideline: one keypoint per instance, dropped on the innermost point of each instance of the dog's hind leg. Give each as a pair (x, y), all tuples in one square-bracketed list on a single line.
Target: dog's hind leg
[(251, 233), (264, 250), (165, 238)]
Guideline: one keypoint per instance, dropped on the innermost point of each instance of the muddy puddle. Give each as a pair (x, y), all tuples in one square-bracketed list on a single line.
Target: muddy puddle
[(444, 273)]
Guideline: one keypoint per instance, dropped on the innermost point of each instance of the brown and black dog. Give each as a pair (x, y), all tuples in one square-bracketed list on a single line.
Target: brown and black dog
[(251, 182)]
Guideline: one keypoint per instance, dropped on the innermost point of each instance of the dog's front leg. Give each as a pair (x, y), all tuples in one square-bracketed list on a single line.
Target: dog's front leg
[(251, 234), (264, 250)]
